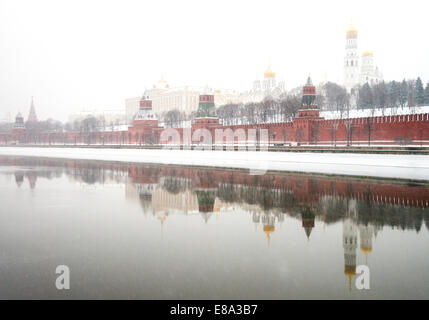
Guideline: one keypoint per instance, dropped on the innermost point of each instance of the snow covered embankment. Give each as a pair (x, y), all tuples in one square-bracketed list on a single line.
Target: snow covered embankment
[(414, 167)]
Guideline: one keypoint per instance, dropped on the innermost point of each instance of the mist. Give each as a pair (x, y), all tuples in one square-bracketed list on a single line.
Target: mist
[(76, 55)]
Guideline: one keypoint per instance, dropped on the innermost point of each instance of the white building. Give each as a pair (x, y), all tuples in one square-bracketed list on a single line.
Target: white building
[(369, 73), (268, 87), (358, 68), (132, 106), (185, 98)]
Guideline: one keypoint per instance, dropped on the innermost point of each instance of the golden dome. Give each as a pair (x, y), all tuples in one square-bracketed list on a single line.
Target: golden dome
[(351, 29), (366, 250), (367, 53), (269, 74), (350, 272), (162, 218), (268, 230)]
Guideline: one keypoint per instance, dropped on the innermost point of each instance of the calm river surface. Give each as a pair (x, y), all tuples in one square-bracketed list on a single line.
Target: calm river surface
[(159, 232)]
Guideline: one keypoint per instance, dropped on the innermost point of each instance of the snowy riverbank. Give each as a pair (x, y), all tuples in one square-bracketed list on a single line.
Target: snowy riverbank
[(415, 167)]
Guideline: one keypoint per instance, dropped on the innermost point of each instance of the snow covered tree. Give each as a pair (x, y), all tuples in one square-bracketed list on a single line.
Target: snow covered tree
[(420, 92), (380, 95), (411, 98), (403, 94), (337, 98), (365, 98), (427, 94), (393, 94)]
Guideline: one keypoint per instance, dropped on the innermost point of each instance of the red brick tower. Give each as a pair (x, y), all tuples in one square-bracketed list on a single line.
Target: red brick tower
[(309, 108), (306, 125), (18, 128), (206, 113), (145, 127)]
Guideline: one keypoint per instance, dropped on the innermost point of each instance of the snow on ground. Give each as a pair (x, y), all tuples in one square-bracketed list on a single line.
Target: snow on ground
[(415, 167)]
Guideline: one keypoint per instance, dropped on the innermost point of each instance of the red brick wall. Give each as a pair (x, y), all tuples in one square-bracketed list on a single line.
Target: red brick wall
[(388, 130)]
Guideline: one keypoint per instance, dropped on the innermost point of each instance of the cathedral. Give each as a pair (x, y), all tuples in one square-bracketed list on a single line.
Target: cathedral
[(268, 87), (358, 68)]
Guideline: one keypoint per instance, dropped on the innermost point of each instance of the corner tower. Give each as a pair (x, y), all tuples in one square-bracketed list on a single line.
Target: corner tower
[(351, 59)]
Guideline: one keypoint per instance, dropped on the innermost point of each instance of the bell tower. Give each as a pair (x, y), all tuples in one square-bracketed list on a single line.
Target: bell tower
[(351, 59)]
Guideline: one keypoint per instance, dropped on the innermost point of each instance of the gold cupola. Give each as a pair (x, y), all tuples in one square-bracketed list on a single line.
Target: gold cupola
[(352, 31), (367, 53), (268, 229), (269, 74)]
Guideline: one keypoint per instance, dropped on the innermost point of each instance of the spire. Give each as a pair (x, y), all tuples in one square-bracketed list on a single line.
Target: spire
[(32, 117), (309, 82), (308, 232)]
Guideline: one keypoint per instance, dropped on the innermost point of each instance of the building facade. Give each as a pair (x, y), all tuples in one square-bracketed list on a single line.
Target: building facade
[(185, 99)]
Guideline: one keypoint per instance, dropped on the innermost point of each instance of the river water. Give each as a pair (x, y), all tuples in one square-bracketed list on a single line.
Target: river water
[(129, 231)]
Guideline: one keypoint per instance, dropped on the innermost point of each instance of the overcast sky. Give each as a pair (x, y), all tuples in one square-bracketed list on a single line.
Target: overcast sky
[(75, 55)]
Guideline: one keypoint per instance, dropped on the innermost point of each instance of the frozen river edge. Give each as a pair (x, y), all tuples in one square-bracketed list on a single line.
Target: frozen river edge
[(407, 167)]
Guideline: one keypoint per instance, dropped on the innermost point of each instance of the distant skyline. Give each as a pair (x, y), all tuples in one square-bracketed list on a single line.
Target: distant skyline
[(94, 54)]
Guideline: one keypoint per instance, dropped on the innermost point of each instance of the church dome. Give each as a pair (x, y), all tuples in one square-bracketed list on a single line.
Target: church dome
[(268, 229), (367, 53), (352, 32), (366, 250), (269, 74)]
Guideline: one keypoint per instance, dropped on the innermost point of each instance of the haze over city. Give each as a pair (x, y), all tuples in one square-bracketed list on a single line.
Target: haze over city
[(214, 155), (93, 55)]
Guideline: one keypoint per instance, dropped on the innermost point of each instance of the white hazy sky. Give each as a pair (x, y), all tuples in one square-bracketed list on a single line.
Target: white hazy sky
[(75, 55)]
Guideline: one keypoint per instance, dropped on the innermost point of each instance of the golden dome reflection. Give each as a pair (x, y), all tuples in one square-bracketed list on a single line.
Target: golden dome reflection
[(367, 53)]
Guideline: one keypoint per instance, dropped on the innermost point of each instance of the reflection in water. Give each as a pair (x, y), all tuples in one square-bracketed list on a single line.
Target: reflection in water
[(362, 207)]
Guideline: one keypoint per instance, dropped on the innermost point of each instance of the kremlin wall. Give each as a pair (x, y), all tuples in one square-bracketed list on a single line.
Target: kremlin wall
[(307, 128)]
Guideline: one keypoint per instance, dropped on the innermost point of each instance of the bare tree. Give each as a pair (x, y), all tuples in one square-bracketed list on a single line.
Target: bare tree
[(333, 131), (369, 129)]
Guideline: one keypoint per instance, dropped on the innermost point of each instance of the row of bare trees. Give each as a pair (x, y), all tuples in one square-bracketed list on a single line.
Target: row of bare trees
[(266, 111)]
